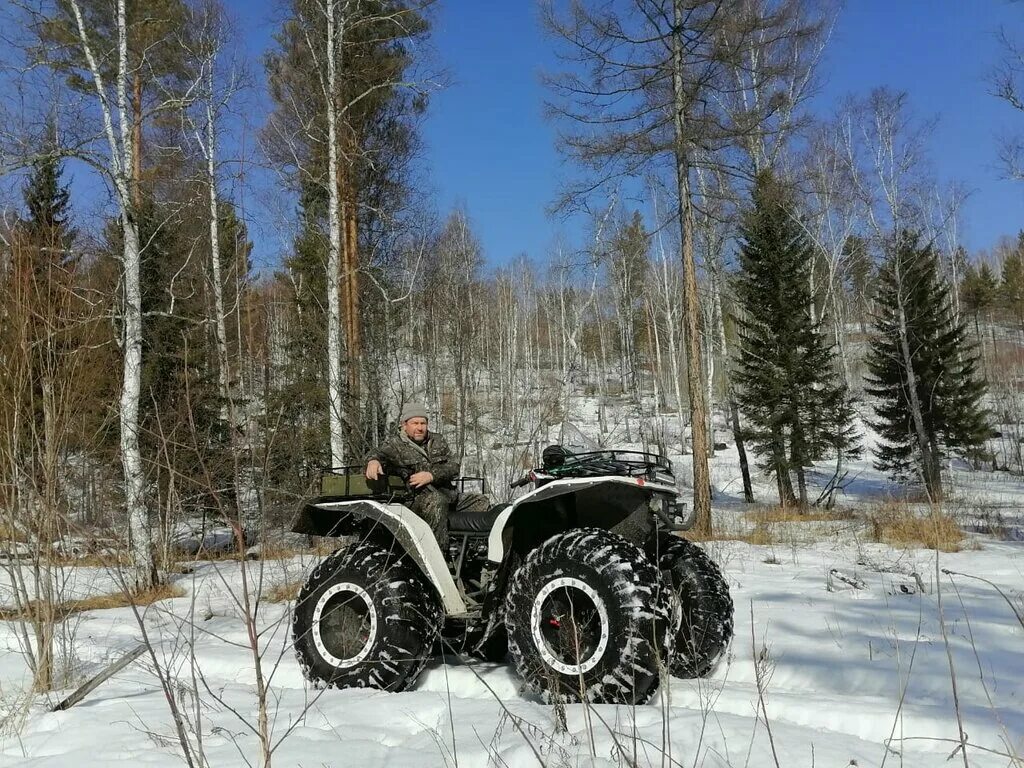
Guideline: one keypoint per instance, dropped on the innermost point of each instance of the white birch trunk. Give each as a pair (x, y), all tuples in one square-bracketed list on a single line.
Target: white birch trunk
[(334, 393), (220, 328), (122, 158), (139, 532)]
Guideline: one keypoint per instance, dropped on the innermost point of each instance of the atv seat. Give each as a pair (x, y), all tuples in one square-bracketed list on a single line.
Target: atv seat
[(474, 522)]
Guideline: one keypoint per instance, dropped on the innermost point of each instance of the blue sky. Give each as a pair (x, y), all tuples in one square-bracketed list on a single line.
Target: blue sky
[(489, 149)]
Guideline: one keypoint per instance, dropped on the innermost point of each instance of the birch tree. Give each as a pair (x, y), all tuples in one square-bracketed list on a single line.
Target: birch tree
[(120, 131), (345, 88)]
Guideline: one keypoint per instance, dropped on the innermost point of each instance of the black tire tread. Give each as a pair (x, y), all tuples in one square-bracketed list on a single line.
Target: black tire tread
[(409, 619), (706, 621), (643, 606)]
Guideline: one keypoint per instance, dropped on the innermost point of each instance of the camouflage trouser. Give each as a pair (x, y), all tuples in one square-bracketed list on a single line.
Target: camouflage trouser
[(433, 506)]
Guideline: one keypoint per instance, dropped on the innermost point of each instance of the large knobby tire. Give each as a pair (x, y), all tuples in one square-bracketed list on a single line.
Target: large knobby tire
[(365, 618), (705, 623), (586, 619)]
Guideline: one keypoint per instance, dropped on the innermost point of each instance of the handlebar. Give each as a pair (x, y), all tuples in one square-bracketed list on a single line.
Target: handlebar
[(526, 479)]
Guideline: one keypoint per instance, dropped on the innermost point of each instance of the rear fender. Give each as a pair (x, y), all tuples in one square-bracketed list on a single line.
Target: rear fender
[(601, 502), (323, 517)]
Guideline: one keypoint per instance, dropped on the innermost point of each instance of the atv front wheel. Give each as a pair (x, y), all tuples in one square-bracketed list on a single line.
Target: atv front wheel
[(586, 619), (705, 623), (365, 619)]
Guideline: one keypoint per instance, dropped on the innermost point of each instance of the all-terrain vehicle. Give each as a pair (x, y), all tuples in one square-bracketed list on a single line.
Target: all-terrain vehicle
[(583, 581)]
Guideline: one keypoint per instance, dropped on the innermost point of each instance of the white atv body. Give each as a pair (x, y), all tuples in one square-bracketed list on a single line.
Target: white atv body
[(580, 578)]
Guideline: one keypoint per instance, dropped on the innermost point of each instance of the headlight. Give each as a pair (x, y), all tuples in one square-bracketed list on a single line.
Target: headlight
[(682, 514)]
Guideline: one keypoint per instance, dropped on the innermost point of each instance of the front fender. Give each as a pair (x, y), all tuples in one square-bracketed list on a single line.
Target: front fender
[(324, 517), (605, 502)]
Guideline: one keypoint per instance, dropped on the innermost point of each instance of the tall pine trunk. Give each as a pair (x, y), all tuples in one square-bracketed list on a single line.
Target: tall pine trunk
[(350, 286), (691, 309)]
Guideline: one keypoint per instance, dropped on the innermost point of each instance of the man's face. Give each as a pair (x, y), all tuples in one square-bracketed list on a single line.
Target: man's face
[(416, 428)]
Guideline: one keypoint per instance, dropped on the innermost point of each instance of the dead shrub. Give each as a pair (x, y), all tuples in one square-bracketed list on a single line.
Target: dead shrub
[(8, 533), (899, 524)]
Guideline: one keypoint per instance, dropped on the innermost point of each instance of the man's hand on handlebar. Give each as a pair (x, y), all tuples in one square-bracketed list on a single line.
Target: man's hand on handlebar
[(374, 469)]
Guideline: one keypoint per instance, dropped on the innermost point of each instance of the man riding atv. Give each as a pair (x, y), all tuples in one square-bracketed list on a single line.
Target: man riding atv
[(582, 580), (423, 459)]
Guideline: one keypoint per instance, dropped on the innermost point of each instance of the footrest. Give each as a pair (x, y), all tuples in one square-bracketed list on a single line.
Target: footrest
[(474, 522)]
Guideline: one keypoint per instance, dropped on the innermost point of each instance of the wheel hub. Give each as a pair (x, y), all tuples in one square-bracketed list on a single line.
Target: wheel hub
[(569, 624), (344, 624)]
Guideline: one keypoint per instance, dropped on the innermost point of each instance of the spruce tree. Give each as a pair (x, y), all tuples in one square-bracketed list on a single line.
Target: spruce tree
[(979, 291), (1011, 286), (796, 407), (42, 264), (922, 370), (48, 224)]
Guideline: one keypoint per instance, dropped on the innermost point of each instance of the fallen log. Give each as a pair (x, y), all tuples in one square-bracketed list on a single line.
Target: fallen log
[(96, 681)]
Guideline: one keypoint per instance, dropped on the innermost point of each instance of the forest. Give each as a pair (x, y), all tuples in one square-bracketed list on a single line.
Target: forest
[(777, 297)]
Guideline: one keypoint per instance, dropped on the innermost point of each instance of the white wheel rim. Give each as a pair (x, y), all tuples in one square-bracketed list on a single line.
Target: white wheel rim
[(318, 639), (538, 638)]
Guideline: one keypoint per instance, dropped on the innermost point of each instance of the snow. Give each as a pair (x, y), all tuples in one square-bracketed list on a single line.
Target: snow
[(839, 659)]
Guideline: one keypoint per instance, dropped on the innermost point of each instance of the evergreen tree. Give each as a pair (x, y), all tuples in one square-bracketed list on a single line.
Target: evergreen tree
[(295, 408), (979, 292), (158, 37), (42, 266), (788, 388), (922, 370), (1011, 286), (181, 434), (47, 227)]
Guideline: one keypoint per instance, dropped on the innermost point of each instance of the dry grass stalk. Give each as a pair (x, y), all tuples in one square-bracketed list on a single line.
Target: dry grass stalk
[(760, 535), (9, 533), (95, 603), (90, 560), (794, 514), (282, 593), (900, 525)]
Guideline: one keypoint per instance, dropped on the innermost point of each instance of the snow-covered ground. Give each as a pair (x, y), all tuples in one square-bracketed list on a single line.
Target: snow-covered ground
[(839, 659)]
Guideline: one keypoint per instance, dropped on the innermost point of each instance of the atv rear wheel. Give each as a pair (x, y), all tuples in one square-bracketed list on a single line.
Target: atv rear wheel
[(365, 619), (705, 621), (586, 619)]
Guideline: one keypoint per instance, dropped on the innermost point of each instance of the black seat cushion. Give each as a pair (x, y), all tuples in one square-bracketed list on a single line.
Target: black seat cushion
[(474, 522)]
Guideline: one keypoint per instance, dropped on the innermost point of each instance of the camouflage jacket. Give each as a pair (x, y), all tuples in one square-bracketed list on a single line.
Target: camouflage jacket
[(433, 456)]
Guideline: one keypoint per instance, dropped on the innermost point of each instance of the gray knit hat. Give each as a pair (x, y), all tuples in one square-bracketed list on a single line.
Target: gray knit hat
[(412, 410)]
